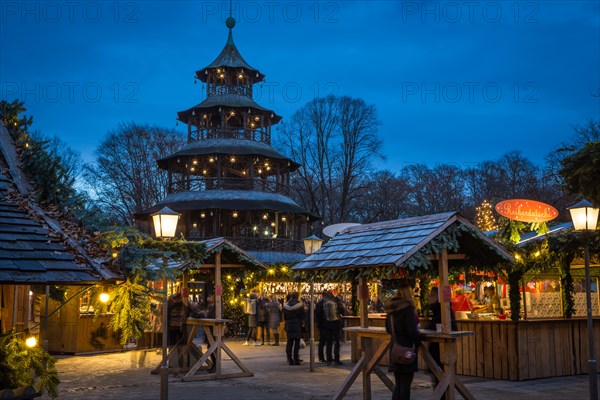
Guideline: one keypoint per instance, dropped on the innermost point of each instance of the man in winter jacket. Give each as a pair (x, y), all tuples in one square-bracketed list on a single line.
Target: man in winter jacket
[(293, 314)]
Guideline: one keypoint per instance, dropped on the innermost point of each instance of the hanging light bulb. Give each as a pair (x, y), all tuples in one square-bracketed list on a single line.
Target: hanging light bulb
[(202, 215), (235, 214), (204, 171), (232, 159), (265, 216), (195, 162), (211, 160)]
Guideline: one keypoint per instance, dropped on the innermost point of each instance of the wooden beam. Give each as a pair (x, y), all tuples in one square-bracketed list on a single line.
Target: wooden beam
[(449, 257)]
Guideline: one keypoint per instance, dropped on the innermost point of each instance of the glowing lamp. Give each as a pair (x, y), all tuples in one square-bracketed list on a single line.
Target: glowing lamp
[(312, 244), (165, 223), (31, 341), (584, 216), (104, 297)]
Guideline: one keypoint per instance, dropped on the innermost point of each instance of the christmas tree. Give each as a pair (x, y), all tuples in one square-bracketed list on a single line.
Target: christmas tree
[(485, 219)]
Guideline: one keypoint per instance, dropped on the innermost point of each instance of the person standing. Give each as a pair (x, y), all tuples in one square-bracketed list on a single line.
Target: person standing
[(293, 314), (263, 319), (275, 319), (319, 319), (252, 312), (331, 325), (401, 323)]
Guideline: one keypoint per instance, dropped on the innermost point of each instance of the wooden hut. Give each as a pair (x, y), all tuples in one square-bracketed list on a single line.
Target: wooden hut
[(32, 260)]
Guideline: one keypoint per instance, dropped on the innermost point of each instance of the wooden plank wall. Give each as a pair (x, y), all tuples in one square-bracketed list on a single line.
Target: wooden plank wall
[(526, 350)]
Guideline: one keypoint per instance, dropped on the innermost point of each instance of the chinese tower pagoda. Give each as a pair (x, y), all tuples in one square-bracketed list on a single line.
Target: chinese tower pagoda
[(228, 181)]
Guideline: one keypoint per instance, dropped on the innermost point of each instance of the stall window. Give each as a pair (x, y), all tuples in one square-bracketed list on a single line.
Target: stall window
[(542, 298), (579, 297)]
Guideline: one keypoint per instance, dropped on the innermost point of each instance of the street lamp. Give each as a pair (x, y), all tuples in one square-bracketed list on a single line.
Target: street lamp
[(585, 218), (165, 225), (312, 244)]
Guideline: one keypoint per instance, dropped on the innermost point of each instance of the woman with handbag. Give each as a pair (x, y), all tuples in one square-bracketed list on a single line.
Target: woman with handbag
[(401, 323)]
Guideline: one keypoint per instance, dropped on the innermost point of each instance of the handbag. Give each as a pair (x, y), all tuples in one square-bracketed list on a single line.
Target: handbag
[(401, 354), (302, 343)]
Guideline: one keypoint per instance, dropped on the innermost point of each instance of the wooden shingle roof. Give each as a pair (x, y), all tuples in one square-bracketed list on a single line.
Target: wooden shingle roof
[(393, 243), (29, 253)]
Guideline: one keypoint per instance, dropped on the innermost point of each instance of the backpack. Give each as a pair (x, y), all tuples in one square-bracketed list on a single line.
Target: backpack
[(330, 311)]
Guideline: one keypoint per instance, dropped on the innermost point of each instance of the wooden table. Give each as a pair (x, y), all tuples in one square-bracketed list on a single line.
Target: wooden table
[(447, 379), (369, 362), (216, 344)]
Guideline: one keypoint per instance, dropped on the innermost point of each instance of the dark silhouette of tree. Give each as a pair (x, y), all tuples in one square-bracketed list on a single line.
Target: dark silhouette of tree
[(335, 140), (125, 178)]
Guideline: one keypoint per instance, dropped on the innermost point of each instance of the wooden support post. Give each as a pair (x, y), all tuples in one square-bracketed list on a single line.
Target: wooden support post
[(218, 286), (363, 296)]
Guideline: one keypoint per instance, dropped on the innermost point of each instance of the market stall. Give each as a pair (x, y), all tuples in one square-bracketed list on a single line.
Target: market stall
[(394, 249)]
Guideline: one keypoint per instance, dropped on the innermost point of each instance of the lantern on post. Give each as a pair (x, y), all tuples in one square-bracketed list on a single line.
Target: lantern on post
[(165, 226), (165, 223), (585, 219), (312, 244)]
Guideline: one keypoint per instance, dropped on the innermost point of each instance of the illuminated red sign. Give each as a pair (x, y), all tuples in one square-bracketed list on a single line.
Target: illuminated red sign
[(526, 210)]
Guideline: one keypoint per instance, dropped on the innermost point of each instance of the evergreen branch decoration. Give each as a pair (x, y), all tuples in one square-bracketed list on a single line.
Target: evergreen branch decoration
[(24, 366)]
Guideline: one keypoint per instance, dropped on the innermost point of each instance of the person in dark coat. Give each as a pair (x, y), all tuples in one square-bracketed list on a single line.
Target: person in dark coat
[(319, 318), (400, 311), (329, 316), (263, 319), (293, 314), (275, 319)]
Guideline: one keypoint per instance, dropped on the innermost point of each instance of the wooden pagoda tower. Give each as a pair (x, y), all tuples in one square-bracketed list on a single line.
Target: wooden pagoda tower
[(227, 180)]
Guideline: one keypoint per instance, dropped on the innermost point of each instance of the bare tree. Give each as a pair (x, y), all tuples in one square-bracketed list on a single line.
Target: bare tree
[(335, 140), (125, 178), (384, 197)]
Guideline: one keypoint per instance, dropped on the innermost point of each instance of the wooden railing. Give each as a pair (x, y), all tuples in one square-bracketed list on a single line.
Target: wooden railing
[(256, 135), (211, 183)]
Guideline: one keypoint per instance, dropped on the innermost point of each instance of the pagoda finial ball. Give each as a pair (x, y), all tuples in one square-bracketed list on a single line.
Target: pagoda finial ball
[(230, 22)]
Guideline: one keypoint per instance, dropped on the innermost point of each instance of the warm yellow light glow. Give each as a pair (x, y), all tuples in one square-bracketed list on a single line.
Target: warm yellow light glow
[(584, 216), (312, 244), (219, 70), (260, 171), (268, 168), (517, 257), (241, 76), (192, 169), (165, 223), (283, 218), (204, 116), (284, 269), (243, 172), (104, 297), (235, 214), (232, 113), (232, 159), (221, 76), (265, 216), (252, 124), (202, 215), (31, 341), (228, 277), (30, 293), (211, 160), (271, 271), (115, 254), (204, 171), (255, 228), (273, 224), (537, 254), (257, 118), (195, 162)]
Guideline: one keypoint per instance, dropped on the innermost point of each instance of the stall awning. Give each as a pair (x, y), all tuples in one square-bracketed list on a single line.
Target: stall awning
[(407, 243)]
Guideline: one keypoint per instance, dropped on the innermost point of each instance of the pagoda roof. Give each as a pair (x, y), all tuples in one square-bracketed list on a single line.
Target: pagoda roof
[(227, 100), (229, 200), (227, 146), (230, 57)]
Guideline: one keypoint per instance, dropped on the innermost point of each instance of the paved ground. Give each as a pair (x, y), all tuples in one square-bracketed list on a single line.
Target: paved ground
[(126, 375)]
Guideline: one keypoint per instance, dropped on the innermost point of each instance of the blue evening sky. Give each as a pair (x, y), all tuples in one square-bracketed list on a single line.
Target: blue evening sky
[(454, 82)]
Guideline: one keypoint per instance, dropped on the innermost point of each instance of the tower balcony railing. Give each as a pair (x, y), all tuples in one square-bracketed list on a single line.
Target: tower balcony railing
[(256, 135), (192, 184), (263, 244)]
